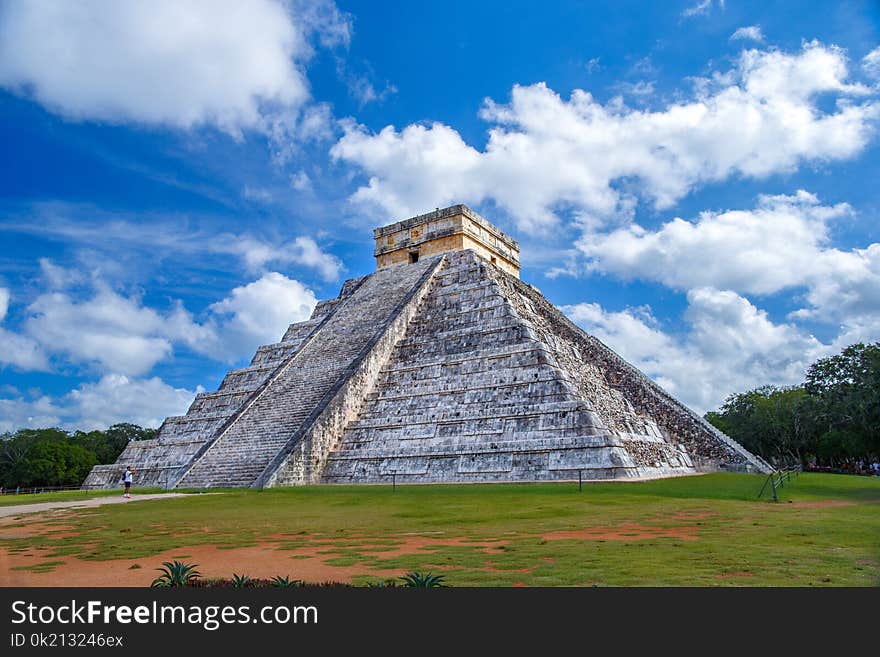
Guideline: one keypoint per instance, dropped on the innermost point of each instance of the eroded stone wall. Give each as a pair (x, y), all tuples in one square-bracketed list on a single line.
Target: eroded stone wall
[(626, 397)]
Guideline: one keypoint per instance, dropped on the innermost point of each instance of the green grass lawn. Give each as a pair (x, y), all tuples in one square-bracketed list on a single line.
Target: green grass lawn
[(825, 530)]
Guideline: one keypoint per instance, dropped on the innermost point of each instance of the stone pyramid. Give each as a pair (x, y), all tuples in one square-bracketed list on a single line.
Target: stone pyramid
[(442, 366)]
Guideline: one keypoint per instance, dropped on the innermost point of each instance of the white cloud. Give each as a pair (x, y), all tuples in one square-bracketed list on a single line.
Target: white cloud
[(756, 251), (21, 352), (730, 346), (261, 311), (111, 399), (545, 153), (323, 17), (18, 413), (871, 63), (258, 254), (750, 33), (180, 63), (16, 350), (115, 334), (112, 332), (307, 253), (363, 91), (116, 398), (640, 88), (58, 278), (300, 181), (702, 8), (781, 244)]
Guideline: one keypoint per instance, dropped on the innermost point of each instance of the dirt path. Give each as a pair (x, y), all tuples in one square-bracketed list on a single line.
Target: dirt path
[(39, 507)]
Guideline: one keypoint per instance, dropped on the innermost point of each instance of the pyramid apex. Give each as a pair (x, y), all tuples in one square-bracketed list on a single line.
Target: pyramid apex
[(454, 228)]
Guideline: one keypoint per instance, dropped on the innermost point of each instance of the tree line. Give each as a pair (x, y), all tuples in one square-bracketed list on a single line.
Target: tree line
[(831, 420), (54, 457)]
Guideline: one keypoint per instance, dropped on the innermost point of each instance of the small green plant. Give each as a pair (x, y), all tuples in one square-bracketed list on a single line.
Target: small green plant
[(383, 584), (422, 580), (240, 581), (175, 574), (285, 582)]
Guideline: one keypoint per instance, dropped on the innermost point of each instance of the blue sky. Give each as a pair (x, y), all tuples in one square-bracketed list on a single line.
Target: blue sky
[(693, 182)]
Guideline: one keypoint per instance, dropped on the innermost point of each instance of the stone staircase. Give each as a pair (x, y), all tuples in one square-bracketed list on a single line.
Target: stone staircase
[(471, 394), (162, 460), (250, 442)]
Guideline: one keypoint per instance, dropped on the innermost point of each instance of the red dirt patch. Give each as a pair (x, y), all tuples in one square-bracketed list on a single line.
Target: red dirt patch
[(625, 532), (823, 504), (22, 529), (259, 562), (306, 562), (422, 545)]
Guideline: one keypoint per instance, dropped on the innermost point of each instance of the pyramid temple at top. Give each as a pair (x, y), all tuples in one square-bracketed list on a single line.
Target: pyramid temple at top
[(441, 366)]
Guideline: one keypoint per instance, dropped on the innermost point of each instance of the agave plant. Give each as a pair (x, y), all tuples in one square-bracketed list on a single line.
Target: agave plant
[(285, 582), (175, 573), (422, 580), (240, 581)]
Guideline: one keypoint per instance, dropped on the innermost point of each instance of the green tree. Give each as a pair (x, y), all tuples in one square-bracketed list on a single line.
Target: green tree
[(108, 445), (57, 463), (54, 457), (834, 416), (768, 421), (845, 402)]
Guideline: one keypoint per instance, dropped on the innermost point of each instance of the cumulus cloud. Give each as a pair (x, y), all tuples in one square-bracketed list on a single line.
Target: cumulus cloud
[(19, 413), (111, 333), (750, 33), (180, 63), (17, 350), (116, 398), (782, 243), (97, 405), (546, 153), (729, 346), (261, 311), (21, 352)]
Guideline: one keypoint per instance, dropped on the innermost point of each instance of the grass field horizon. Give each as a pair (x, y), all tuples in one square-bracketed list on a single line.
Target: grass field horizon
[(688, 531)]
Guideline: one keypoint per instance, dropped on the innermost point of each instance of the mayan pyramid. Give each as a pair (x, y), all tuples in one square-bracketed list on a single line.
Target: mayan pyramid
[(441, 366)]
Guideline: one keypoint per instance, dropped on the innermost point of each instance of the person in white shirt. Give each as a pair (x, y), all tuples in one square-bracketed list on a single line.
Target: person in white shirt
[(126, 479)]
